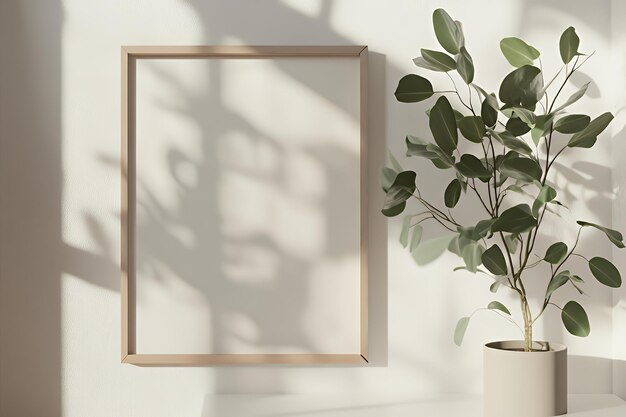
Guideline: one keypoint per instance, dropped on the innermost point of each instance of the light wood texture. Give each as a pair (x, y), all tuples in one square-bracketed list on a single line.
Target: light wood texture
[(364, 181), (124, 206), (129, 56), (243, 359), (234, 51)]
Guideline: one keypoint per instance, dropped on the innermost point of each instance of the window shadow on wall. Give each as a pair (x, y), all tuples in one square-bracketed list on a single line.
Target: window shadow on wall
[(203, 111), (33, 253)]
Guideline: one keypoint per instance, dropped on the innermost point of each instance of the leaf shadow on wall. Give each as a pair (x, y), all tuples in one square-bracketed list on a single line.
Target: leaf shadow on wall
[(274, 308), (228, 296), (591, 189)]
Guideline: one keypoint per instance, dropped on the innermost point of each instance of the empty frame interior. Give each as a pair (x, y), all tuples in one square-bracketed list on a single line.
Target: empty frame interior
[(244, 205)]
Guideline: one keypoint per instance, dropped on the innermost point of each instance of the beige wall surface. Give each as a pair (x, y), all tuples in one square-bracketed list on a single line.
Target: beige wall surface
[(619, 184), (60, 205)]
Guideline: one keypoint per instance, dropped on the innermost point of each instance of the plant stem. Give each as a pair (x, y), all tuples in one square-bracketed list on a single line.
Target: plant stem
[(528, 326), (456, 90)]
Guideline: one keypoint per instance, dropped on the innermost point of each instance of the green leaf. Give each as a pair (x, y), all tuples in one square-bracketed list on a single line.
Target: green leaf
[(394, 211), (412, 88), (522, 87), (542, 127), (458, 116), (556, 253), (568, 45), (614, 236), (573, 98), (452, 193), (605, 272), (467, 236), (523, 169), (576, 278), (537, 205), (518, 188), (443, 160), (394, 162), (587, 137), (524, 115), (512, 142), (557, 282), (454, 247), (472, 254), (465, 65), (430, 250), (518, 52), (462, 180), (482, 228), (400, 191), (447, 31), (494, 261), (472, 167), (422, 63), (496, 284), (438, 61), (573, 279), (459, 331), (488, 114), (416, 237), (573, 123), (459, 31), (387, 175), (511, 243), (517, 219), (517, 127), (420, 147), (489, 98), (404, 233), (442, 124), (496, 305), (473, 128), (575, 319), (546, 195)]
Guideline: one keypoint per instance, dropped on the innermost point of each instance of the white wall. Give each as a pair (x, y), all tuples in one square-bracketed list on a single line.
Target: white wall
[(619, 184), (59, 156)]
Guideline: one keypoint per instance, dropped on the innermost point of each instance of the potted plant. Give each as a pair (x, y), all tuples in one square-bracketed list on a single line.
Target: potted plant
[(501, 149)]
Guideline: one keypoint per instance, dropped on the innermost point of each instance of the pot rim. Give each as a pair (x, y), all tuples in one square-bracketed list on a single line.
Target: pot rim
[(540, 346)]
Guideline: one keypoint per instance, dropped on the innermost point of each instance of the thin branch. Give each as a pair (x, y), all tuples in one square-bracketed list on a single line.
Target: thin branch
[(469, 92), (491, 201), (556, 270), (509, 318), (584, 60), (456, 90), (580, 256), (555, 156), (473, 187), (438, 221), (574, 68)]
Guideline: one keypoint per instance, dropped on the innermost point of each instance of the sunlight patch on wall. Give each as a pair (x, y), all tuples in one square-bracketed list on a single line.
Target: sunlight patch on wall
[(309, 8)]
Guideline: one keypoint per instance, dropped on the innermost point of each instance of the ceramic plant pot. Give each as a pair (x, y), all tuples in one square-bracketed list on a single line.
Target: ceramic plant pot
[(525, 384)]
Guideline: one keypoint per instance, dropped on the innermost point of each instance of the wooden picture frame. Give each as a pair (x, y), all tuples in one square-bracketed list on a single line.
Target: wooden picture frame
[(129, 56)]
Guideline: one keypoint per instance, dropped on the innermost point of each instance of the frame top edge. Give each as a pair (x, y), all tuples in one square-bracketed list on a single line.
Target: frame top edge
[(242, 50)]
